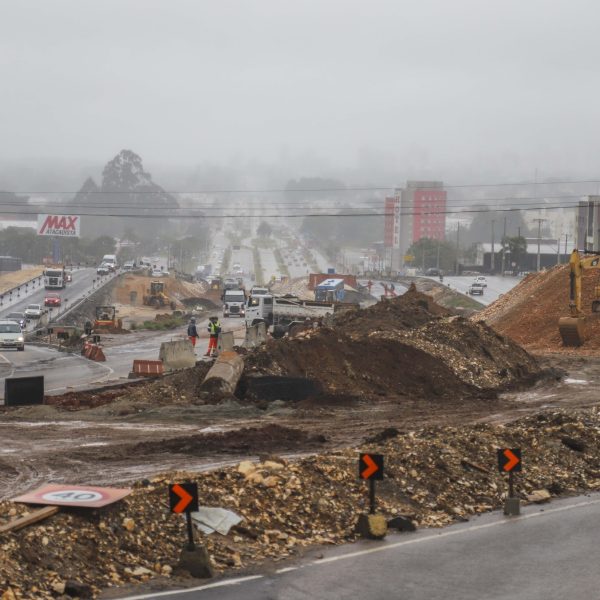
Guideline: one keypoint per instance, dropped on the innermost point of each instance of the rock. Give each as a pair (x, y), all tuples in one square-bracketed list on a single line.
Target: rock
[(166, 570), (573, 443), (255, 477), (59, 587), (128, 524), (273, 466), (270, 481), (139, 571), (539, 496), (195, 562), (402, 524), (78, 589), (246, 467)]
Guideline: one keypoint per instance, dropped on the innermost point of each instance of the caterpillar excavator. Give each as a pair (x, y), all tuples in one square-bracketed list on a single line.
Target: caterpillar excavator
[(572, 328)]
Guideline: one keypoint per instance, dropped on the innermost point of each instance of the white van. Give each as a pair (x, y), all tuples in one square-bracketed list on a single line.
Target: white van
[(110, 259)]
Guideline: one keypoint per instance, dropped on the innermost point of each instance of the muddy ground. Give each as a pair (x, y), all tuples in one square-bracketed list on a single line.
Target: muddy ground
[(122, 441)]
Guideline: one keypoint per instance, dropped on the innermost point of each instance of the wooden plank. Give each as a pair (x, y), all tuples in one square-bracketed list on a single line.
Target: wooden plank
[(30, 519)]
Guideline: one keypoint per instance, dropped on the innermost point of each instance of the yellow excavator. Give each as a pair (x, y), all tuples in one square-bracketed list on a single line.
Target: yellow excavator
[(572, 328)]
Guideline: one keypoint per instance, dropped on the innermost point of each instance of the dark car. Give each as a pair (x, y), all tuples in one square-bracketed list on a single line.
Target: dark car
[(433, 272)]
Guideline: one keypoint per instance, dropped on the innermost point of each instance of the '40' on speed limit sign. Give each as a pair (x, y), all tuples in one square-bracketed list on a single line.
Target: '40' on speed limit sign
[(74, 495)]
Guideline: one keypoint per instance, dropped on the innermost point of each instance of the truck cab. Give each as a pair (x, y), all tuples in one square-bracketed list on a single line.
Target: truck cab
[(234, 303)]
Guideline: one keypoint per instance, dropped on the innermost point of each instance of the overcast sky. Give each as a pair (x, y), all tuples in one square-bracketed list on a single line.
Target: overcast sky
[(435, 82)]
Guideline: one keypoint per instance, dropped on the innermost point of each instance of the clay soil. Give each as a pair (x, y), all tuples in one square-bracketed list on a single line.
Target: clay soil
[(529, 313)]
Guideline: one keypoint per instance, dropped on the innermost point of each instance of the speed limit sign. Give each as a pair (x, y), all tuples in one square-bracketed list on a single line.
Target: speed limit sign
[(73, 495)]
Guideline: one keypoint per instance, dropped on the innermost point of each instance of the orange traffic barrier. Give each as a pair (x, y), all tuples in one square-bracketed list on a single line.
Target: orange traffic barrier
[(148, 368)]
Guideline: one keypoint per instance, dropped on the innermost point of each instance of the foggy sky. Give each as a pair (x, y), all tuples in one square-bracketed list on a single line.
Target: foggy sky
[(424, 83)]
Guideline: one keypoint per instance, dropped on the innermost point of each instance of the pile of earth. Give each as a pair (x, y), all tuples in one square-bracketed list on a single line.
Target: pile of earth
[(529, 313), (407, 346), (433, 477), (181, 387)]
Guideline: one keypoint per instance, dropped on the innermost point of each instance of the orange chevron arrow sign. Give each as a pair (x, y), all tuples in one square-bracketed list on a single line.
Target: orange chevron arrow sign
[(183, 497), (370, 466), (509, 460)]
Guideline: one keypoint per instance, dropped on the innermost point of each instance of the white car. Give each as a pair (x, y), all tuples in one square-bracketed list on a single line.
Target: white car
[(34, 311), (159, 273), (481, 280), (11, 335)]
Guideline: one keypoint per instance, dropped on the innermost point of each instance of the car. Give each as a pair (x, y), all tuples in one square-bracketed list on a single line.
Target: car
[(11, 335), (17, 317), (52, 300), (68, 277), (103, 270), (159, 273), (481, 280), (476, 289), (34, 311), (128, 266), (432, 272)]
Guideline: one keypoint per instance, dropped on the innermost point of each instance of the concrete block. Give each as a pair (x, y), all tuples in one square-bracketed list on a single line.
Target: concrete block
[(177, 355), (512, 507), (225, 342), (196, 562)]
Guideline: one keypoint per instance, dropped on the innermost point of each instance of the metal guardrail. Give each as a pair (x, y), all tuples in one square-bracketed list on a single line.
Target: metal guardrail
[(21, 291)]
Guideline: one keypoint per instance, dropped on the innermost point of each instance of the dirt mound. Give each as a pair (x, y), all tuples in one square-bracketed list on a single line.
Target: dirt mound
[(248, 440), (408, 311), (408, 346), (131, 289), (529, 313)]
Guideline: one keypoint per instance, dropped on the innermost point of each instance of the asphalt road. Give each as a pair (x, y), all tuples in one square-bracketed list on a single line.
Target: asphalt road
[(496, 286), (548, 553)]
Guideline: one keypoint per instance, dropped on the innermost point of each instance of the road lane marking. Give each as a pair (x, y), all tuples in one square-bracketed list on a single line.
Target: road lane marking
[(217, 584), (9, 362), (443, 534)]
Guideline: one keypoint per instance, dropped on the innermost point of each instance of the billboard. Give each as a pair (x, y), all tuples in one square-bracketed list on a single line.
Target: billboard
[(59, 225)]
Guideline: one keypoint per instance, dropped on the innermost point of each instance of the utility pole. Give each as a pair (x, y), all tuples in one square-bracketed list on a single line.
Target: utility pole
[(492, 258), (437, 262), (457, 246), (539, 222), (504, 247), (566, 255)]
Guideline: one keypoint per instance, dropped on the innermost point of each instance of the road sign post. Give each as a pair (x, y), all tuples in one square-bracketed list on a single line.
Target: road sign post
[(509, 461), (370, 468), (183, 497)]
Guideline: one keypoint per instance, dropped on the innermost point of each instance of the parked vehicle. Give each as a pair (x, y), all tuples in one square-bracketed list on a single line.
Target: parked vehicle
[(34, 311), (52, 300), (11, 335), (17, 317)]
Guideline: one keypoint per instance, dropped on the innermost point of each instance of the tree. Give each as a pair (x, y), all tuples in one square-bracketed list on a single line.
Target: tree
[(480, 229), (517, 248), (426, 252), (264, 230)]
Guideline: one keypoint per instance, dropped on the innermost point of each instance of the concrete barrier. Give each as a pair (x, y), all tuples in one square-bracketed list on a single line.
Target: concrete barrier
[(224, 375), (225, 341), (261, 333), (177, 355), (251, 339)]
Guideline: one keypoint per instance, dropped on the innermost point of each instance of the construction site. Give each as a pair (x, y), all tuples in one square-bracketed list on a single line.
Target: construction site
[(276, 441)]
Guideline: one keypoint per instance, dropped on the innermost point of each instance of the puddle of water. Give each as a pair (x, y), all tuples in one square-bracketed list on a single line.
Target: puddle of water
[(576, 381)]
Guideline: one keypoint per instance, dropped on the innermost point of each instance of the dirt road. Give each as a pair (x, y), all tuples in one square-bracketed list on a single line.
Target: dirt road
[(124, 440)]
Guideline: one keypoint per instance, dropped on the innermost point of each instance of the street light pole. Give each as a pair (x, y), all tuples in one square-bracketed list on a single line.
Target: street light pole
[(492, 261), (504, 247)]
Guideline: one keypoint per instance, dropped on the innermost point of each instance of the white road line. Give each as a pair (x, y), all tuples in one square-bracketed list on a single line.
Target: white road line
[(323, 561), (223, 583), (12, 366), (437, 536)]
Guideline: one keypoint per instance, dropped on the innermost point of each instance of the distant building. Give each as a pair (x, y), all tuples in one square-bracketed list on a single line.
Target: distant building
[(587, 224), (552, 252), (414, 212)]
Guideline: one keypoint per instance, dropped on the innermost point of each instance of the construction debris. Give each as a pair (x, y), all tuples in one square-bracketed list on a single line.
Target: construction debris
[(287, 507)]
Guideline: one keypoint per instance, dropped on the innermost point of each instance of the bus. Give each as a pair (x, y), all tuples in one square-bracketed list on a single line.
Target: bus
[(54, 277)]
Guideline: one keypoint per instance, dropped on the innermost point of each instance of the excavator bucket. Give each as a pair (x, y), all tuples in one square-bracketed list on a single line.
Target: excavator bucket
[(572, 330)]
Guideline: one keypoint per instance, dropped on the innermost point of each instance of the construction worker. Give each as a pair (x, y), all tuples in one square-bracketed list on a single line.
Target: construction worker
[(192, 332), (214, 328)]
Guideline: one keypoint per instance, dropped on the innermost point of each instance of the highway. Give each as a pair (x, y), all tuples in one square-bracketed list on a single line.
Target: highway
[(550, 552), (496, 286)]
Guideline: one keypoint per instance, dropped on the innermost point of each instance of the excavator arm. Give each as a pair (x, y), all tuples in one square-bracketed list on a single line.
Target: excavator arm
[(572, 328)]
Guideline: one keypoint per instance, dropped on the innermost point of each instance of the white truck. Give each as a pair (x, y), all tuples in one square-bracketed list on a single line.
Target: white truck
[(283, 313), (234, 302)]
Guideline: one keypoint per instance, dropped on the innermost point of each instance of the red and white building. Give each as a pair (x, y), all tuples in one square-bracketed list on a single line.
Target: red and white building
[(414, 212)]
